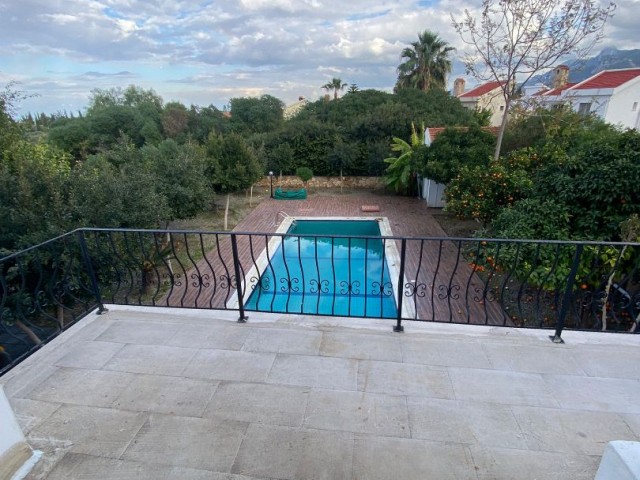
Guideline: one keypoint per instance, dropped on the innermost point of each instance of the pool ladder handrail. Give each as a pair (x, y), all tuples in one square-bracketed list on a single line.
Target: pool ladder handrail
[(284, 215)]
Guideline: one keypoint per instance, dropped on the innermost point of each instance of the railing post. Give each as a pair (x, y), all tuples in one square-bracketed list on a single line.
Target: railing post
[(92, 275), (403, 250), (567, 295), (236, 268)]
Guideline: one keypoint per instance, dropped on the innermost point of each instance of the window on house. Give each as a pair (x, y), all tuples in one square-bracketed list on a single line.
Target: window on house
[(635, 106), (502, 108), (584, 108)]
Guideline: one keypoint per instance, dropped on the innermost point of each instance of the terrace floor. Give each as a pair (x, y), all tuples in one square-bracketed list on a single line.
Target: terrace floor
[(143, 393)]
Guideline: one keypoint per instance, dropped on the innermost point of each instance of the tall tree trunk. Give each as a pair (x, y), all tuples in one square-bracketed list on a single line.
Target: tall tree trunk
[(503, 126), (30, 333), (226, 212)]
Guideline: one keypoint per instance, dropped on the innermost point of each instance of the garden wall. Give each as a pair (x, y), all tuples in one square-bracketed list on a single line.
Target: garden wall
[(291, 181)]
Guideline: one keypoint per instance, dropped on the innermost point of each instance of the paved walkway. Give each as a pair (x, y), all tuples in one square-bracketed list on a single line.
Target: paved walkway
[(163, 394)]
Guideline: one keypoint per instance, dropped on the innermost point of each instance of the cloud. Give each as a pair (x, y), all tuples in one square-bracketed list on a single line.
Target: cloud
[(214, 50)]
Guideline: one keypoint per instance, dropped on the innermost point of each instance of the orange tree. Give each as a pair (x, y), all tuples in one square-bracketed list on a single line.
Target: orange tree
[(481, 192)]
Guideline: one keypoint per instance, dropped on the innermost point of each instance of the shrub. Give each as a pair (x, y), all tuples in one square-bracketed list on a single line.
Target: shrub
[(482, 192), (305, 174)]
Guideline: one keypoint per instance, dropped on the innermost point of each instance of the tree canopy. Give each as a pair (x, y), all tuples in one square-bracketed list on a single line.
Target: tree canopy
[(426, 63)]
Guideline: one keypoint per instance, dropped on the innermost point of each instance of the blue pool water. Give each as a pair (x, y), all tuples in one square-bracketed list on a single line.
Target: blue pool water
[(324, 275)]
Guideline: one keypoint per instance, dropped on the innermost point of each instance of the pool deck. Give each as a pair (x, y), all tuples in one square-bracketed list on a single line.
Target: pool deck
[(151, 394), (426, 263)]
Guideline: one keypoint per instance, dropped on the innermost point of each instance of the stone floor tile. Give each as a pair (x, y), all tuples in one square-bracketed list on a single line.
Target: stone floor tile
[(386, 458), (464, 422), (503, 463), (30, 413), (277, 340), (317, 372), (448, 353), (495, 386), (603, 361), (139, 333), (570, 431), (358, 412), (361, 346), (95, 431), (88, 467), (151, 359), (17, 383), (201, 443), (554, 358), (293, 454), (395, 378), (259, 403), (600, 394), (230, 365), (217, 336), (634, 423), (92, 355), (170, 395), (97, 388)]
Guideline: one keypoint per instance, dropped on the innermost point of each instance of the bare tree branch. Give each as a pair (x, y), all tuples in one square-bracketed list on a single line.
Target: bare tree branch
[(519, 38)]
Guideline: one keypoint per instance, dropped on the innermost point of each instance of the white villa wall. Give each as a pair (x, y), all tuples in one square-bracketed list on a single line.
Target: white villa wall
[(598, 99), (14, 451), (492, 100), (620, 110)]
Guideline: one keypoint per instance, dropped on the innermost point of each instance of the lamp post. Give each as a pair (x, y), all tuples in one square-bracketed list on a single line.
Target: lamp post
[(271, 182)]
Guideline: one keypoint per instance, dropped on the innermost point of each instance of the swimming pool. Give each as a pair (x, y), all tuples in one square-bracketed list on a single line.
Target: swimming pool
[(311, 273)]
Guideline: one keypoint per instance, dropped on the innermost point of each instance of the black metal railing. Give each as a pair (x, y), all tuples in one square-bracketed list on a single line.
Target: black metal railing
[(517, 283)]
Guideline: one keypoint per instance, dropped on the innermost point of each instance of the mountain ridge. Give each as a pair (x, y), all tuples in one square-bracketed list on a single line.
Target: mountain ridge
[(608, 59)]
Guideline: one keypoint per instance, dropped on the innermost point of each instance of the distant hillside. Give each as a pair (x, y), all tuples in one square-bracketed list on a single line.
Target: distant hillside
[(608, 59)]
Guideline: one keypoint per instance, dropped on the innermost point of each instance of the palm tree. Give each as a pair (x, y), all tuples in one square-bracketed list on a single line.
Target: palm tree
[(426, 63), (335, 84)]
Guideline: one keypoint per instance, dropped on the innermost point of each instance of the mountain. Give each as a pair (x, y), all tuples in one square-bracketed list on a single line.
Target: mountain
[(608, 59)]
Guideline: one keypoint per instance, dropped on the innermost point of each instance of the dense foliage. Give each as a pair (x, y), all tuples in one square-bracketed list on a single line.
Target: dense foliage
[(574, 177), (132, 160)]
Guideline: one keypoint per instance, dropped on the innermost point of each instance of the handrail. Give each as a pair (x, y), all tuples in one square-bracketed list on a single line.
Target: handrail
[(499, 282)]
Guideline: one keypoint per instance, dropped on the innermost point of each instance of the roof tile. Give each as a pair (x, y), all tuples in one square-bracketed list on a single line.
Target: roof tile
[(481, 89)]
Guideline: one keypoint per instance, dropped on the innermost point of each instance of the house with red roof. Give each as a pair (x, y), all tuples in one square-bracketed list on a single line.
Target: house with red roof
[(487, 96), (613, 95)]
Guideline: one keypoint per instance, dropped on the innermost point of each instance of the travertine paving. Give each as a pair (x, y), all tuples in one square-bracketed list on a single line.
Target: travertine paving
[(163, 394)]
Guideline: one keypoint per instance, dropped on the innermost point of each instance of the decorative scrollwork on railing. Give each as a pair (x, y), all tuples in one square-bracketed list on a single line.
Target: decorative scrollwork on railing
[(174, 279), (415, 289), (227, 281), (382, 289), (289, 285), (319, 286), (483, 295), (200, 280), (447, 291), (264, 283), (350, 288)]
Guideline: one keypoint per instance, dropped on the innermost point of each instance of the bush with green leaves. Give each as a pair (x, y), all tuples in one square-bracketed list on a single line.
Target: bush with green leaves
[(456, 147), (598, 184), (481, 192), (304, 173), (533, 218)]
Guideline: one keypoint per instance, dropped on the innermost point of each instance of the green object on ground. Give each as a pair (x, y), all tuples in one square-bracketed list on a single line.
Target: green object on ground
[(280, 194)]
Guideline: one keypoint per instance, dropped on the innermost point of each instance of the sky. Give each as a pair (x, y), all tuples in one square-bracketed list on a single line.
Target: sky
[(206, 52)]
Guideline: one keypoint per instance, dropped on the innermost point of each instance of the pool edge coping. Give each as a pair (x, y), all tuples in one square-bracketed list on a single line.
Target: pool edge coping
[(392, 256)]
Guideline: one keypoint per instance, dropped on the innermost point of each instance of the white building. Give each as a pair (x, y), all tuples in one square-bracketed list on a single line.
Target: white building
[(613, 95), (487, 96)]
